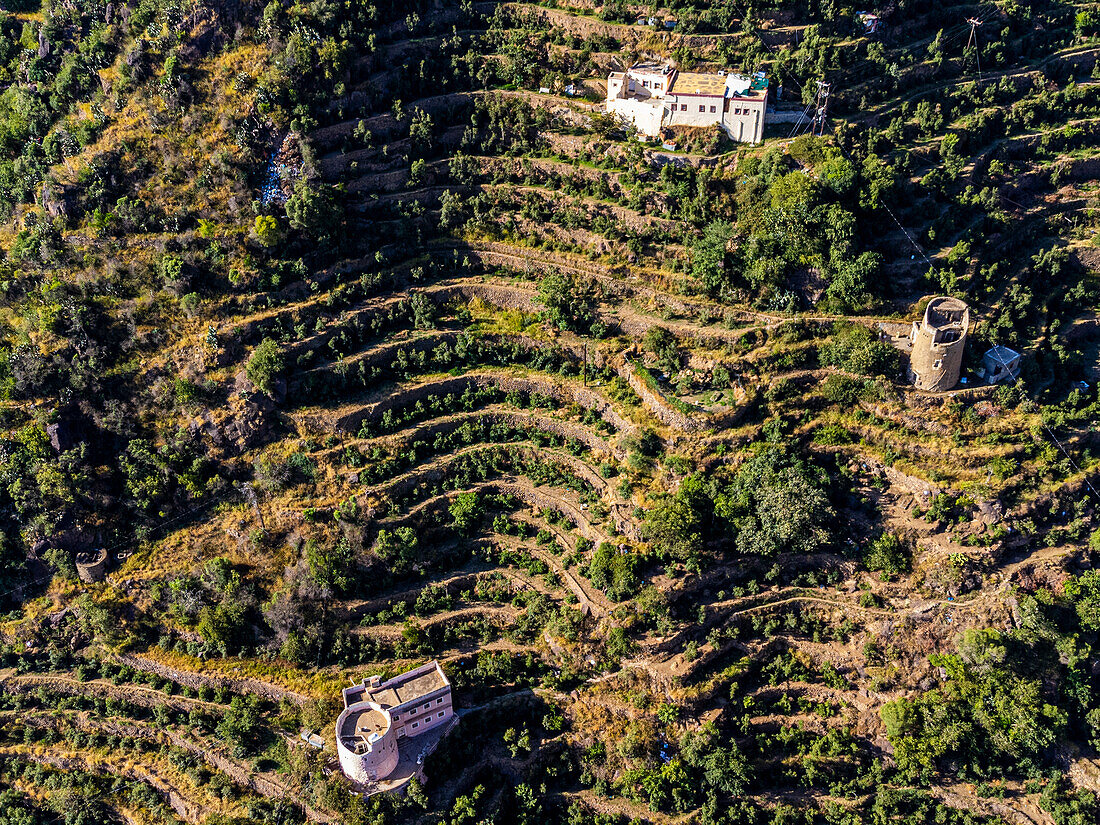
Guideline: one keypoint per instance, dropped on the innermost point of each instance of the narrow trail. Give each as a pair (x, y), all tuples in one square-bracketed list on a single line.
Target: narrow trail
[(139, 694), (263, 783), (517, 417), (498, 613), (535, 496)]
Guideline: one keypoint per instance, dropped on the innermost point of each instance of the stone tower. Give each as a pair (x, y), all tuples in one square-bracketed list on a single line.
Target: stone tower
[(937, 344)]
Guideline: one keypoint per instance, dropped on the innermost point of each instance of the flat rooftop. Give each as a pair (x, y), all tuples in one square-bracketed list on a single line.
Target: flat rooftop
[(359, 725), (697, 83), (408, 687), (652, 66)]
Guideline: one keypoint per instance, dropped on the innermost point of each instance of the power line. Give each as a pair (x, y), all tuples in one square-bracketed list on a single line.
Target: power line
[(890, 212), (974, 23), (1073, 463), (997, 355)]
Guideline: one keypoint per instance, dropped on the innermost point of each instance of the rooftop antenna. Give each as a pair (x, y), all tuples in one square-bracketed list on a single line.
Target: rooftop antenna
[(973, 41)]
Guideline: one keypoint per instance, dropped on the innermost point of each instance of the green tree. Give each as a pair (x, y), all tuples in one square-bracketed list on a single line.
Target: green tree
[(776, 503), (332, 564), (465, 512), (1084, 592), (570, 302), (397, 548), (887, 554), (266, 230), (674, 529), (265, 365), (315, 209), (241, 724), (709, 258), (223, 624)]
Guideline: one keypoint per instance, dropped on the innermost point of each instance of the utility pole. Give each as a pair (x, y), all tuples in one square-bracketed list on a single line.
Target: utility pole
[(821, 107), (973, 41)]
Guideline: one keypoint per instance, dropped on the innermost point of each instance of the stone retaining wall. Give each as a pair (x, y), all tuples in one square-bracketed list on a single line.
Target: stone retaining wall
[(197, 680), (564, 429), (656, 404), (563, 393)]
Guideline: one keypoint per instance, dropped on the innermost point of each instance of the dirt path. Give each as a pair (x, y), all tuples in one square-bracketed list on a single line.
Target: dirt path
[(1021, 809), (138, 694), (500, 613), (535, 496), (243, 686), (435, 470), (516, 417)]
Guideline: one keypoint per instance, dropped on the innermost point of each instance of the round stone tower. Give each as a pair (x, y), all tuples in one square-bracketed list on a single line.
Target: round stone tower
[(91, 566), (366, 742), (937, 344)]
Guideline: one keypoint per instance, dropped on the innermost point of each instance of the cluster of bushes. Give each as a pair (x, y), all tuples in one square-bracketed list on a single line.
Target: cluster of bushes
[(773, 502), (467, 351), (1007, 698)]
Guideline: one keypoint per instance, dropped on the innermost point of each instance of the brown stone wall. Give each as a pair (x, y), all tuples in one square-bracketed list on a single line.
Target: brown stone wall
[(198, 680), (661, 409), (562, 392)]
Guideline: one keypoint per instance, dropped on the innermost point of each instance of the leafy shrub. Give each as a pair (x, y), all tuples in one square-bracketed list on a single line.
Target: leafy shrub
[(265, 365)]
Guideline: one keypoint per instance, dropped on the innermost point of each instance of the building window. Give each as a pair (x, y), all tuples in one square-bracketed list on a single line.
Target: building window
[(683, 107), (702, 108), (439, 701), (440, 714), (713, 110), (416, 724), (412, 712), (656, 87), (645, 83)]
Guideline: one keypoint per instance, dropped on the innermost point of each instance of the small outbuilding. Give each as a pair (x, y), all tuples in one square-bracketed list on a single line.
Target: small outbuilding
[(1001, 364)]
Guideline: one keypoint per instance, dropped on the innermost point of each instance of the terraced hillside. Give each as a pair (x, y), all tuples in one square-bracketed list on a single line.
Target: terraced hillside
[(358, 335)]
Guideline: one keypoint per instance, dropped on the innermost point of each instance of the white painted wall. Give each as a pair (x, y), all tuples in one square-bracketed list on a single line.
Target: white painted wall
[(747, 127), (646, 117), (693, 117), (651, 109)]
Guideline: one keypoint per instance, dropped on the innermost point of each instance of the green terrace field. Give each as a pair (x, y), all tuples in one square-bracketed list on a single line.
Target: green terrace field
[(355, 349)]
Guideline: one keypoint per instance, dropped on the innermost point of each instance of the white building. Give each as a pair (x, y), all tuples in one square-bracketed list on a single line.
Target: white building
[(1000, 364), (379, 717), (653, 96)]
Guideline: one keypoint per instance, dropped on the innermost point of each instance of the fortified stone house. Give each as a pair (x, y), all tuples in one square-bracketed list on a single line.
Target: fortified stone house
[(382, 724), (653, 96)]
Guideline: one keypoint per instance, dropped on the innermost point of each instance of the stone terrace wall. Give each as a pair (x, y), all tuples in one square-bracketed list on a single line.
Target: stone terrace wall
[(563, 393), (197, 680)]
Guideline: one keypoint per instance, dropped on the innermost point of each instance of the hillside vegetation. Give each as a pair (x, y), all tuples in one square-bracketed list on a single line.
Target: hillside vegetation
[(359, 335)]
